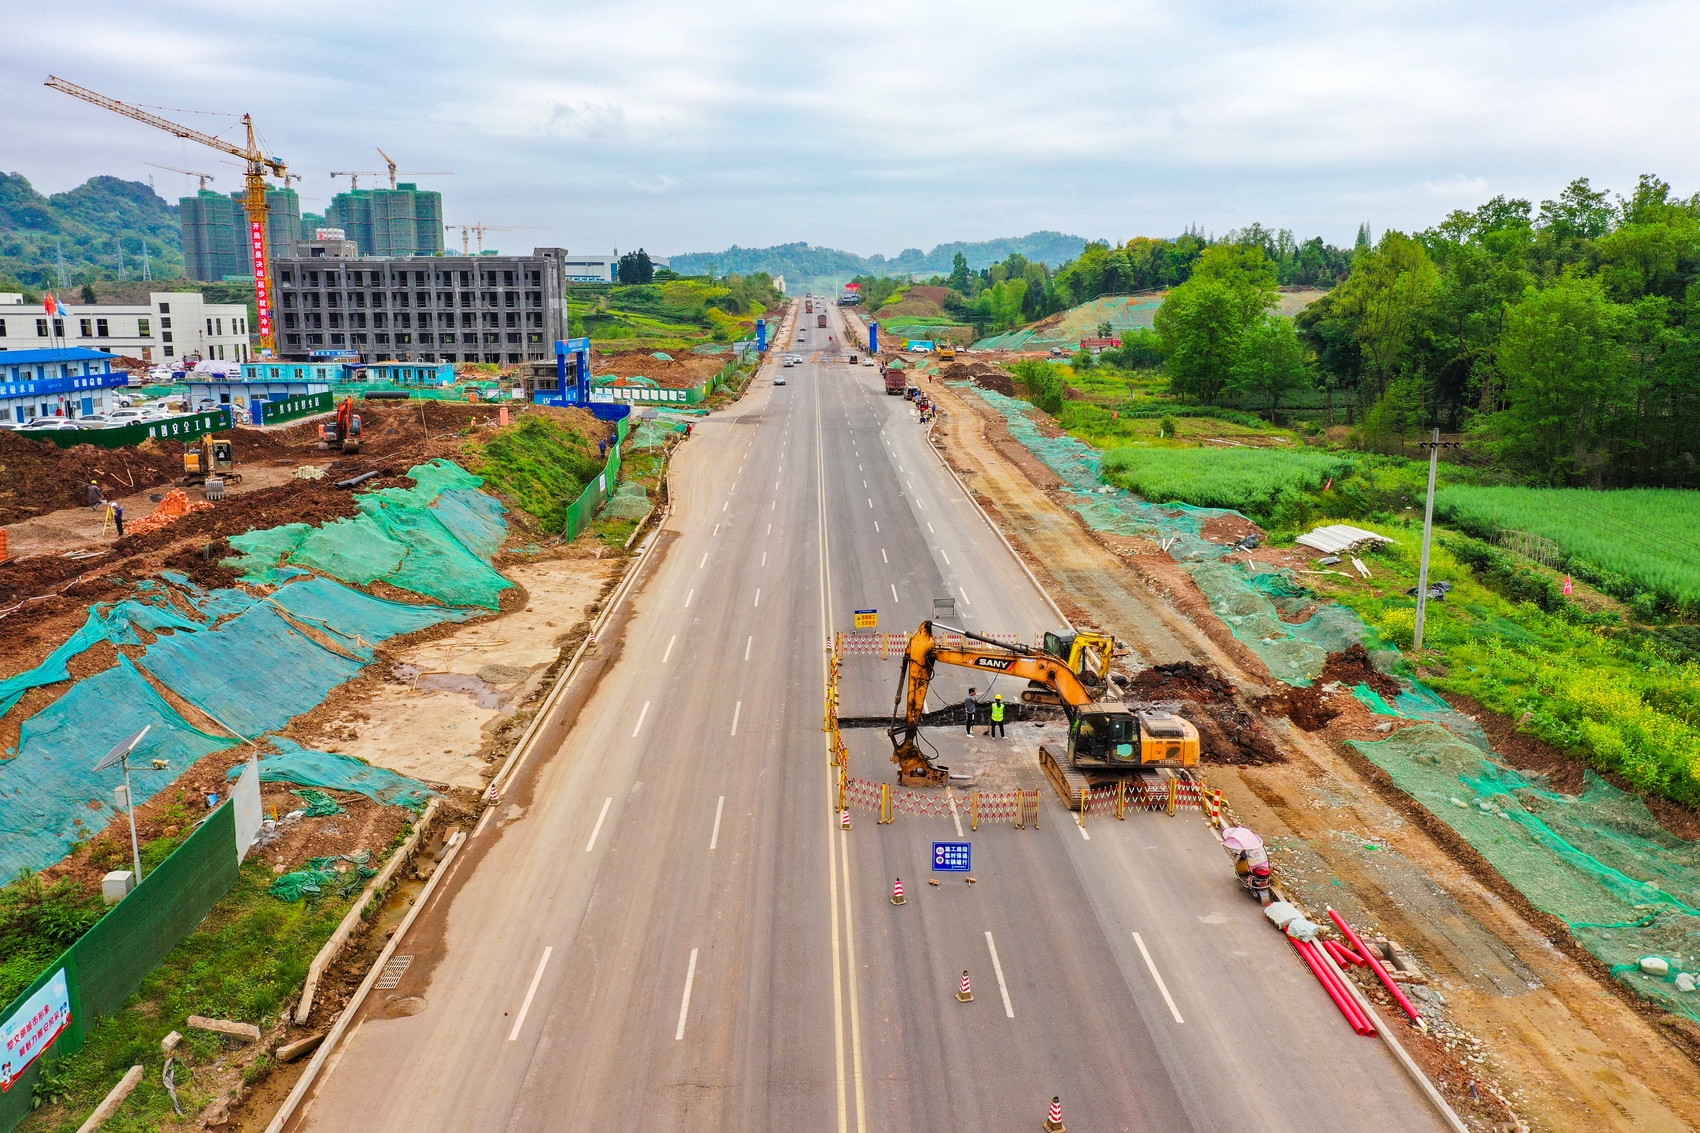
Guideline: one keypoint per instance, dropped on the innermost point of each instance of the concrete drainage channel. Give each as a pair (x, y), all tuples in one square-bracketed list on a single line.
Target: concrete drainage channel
[(542, 725)]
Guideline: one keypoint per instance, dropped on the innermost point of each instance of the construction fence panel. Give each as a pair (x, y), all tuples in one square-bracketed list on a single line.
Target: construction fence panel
[(110, 961), (185, 428), (596, 493)]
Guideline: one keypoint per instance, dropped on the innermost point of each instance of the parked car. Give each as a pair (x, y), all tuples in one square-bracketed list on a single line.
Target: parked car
[(44, 424), (129, 415)]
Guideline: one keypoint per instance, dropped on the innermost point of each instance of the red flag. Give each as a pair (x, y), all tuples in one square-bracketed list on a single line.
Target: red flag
[(52, 306), (1567, 587), (1328, 485)]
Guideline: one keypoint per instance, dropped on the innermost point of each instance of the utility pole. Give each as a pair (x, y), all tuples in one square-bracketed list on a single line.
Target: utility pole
[(64, 276), (1434, 446)]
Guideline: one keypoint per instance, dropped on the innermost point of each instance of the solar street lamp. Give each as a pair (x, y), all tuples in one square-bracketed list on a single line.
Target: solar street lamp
[(121, 755)]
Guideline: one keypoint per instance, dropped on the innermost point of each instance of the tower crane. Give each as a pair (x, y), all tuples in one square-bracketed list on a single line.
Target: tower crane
[(258, 164), (355, 175), (205, 177), (390, 161), (466, 230)]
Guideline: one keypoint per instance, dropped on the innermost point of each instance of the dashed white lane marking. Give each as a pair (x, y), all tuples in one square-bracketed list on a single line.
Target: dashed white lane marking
[(944, 556), (720, 806), (870, 502), (704, 561), (764, 558), (597, 829), (876, 527), (685, 1003), (748, 645), (965, 599), (669, 651), (758, 596), (1156, 975), (530, 994), (644, 712), (930, 529), (1008, 1008), (883, 557), (737, 710), (894, 596), (689, 596)]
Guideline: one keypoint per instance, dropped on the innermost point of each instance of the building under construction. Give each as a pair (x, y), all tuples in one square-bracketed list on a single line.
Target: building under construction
[(215, 231), (381, 222), (334, 302)]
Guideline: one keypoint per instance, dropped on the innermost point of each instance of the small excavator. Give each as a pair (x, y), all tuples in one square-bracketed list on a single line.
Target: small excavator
[(207, 458), (343, 434), (1103, 735)]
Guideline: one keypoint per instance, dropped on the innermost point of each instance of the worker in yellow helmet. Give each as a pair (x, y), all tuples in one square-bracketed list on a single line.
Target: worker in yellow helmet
[(997, 716)]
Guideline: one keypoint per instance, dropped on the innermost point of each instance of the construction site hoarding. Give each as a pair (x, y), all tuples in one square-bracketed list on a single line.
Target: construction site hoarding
[(184, 428), (291, 408)]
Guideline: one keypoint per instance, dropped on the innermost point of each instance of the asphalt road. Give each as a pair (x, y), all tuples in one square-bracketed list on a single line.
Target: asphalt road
[(664, 929)]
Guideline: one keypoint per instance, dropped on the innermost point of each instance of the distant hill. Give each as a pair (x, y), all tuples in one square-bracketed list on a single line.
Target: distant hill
[(90, 223), (803, 261)]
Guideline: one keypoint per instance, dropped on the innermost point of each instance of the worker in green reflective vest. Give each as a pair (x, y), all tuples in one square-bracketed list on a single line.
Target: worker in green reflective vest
[(997, 716)]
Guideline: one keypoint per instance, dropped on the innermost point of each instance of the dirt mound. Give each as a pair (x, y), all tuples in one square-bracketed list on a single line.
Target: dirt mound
[(1306, 707), (1353, 667), (983, 374), (681, 372), (201, 563), (307, 501), (1230, 529), (37, 477), (1227, 731)]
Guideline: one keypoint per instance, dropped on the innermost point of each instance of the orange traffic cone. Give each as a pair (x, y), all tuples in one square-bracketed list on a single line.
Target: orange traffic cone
[(897, 893), (1053, 1123), (966, 995)]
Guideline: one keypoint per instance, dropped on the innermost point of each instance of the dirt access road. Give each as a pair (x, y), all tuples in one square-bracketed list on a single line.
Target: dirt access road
[(1566, 1051)]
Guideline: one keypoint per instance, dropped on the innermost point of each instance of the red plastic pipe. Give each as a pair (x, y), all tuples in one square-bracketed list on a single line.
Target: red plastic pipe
[(1342, 954), (1338, 979), (1375, 966), (1342, 999)]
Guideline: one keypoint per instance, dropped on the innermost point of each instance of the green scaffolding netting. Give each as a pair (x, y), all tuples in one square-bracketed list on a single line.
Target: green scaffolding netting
[(436, 539), (1599, 861), (629, 501), (309, 768)]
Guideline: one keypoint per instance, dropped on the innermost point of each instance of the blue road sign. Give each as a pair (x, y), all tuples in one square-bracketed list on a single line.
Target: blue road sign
[(953, 857)]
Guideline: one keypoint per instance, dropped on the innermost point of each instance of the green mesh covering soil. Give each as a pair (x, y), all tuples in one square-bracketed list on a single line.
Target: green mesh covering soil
[(1249, 599), (309, 768), (629, 501), (1599, 861), (436, 538)]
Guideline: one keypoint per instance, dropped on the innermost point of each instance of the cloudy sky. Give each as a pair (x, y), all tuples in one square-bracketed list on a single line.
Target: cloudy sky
[(878, 126)]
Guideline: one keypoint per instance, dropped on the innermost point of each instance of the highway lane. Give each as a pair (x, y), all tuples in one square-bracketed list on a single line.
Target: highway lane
[(663, 928)]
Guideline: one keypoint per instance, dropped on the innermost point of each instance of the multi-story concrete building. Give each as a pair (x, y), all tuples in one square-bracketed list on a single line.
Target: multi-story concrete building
[(403, 221), (215, 231), (170, 327), (591, 269), (488, 308)]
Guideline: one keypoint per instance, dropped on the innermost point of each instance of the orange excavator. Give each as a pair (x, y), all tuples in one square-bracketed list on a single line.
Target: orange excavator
[(343, 434), (1103, 735)]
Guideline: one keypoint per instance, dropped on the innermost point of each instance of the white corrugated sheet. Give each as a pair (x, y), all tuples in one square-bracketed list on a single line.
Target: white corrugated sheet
[(1339, 538)]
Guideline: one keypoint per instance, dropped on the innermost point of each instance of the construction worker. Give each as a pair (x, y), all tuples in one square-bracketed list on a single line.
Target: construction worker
[(96, 496), (118, 518), (969, 707), (997, 716)]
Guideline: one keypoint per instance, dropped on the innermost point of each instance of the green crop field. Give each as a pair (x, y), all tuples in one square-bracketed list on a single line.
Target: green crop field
[(1245, 479), (1648, 537)]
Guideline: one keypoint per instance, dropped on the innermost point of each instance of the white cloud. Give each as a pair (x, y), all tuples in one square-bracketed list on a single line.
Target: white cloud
[(688, 127)]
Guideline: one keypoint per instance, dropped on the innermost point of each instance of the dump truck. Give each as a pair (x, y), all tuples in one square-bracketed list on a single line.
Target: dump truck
[(1104, 736), (820, 319), (895, 384)]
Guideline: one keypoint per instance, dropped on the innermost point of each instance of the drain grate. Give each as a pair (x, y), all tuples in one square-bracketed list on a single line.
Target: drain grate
[(393, 972)]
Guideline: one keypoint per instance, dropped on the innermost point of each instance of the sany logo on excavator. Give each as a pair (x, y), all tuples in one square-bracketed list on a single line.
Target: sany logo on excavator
[(993, 662)]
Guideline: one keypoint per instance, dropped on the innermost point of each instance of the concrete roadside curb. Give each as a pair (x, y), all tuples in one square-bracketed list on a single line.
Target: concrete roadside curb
[(334, 946), (1002, 538), (310, 1076)]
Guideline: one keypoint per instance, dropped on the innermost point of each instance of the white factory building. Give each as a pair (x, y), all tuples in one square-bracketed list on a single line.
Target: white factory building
[(170, 327)]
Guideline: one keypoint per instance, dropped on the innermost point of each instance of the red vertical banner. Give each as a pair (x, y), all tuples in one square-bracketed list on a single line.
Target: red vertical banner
[(262, 283)]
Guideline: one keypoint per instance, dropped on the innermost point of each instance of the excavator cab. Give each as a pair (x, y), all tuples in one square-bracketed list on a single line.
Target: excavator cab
[(1088, 656), (1108, 734)]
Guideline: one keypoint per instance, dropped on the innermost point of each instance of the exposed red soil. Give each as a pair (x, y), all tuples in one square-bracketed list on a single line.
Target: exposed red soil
[(1230, 529), (681, 372), (1306, 707), (1227, 732), (38, 476), (983, 374), (1352, 667)]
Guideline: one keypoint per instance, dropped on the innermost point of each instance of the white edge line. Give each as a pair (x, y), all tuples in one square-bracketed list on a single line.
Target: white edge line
[(997, 968), (685, 1003), (714, 842), (1156, 975), (530, 993), (606, 803), (483, 821)]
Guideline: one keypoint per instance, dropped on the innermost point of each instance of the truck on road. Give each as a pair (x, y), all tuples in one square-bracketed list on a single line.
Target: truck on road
[(822, 319), (895, 384)]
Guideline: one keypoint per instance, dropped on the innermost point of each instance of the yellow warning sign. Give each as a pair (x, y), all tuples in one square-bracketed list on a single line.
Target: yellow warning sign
[(867, 619)]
